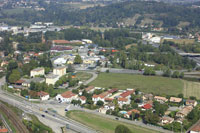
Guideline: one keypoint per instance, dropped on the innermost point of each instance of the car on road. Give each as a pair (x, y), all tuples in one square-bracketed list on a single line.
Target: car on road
[(66, 110), (43, 115), (46, 111), (116, 118)]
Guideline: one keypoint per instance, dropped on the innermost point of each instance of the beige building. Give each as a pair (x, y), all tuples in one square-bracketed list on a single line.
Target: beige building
[(51, 79), (37, 71), (60, 71)]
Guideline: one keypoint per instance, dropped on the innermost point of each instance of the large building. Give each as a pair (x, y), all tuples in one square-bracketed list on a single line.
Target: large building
[(37, 71), (67, 96), (60, 71), (51, 79)]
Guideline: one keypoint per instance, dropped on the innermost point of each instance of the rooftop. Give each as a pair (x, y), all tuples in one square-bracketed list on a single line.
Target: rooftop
[(68, 94), (52, 76), (38, 69)]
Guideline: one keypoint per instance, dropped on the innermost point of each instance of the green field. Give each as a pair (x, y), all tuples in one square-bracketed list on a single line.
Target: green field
[(148, 84), (83, 76), (103, 124), (191, 89)]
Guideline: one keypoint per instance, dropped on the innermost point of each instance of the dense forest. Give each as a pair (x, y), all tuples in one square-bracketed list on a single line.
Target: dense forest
[(170, 15)]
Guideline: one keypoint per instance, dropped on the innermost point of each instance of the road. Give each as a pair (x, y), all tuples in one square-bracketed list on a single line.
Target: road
[(35, 109)]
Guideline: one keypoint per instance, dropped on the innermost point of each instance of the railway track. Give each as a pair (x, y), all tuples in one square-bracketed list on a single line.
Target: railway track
[(14, 119)]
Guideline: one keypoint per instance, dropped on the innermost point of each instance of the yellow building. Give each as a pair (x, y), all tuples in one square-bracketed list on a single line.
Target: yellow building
[(51, 79)]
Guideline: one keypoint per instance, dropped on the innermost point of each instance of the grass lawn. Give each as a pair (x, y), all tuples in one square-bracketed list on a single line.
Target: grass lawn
[(58, 91), (83, 76), (103, 124), (154, 84), (191, 89), (182, 41)]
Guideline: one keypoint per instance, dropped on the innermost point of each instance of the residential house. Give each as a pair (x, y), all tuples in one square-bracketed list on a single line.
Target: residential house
[(147, 97), (191, 103), (175, 99), (37, 71), (122, 101), (147, 107), (51, 79), (166, 120), (184, 112), (82, 99), (67, 96), (60, 71), (3, 130), (90, 89), (195, 128), (129, 113), (160, 99), (100, 97), (43, 95), (27, 82), (127, 94)]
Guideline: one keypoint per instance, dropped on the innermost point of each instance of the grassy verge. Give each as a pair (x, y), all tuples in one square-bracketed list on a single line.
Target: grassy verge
[(148, 84), (103, 124), (36, 126), (191, 89)]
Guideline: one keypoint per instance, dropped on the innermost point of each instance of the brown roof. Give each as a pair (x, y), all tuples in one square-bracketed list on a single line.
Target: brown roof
[(127, 93), (133, 110), (19, 81), (160, 98), (175, 99), (113, 90), (190, 101), (196, 127), (68, 94), (83, 98), (60, 41), (89, 88), (42, 93), (4, 130), (108, 99), (123, 99)]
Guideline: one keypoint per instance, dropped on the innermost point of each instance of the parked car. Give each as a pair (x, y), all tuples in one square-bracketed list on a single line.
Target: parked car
[(43, 115)]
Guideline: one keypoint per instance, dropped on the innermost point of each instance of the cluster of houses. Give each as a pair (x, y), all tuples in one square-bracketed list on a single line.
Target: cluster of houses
[(183, 108)]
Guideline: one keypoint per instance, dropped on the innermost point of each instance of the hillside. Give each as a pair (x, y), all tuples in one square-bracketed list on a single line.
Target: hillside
[(158, 13)]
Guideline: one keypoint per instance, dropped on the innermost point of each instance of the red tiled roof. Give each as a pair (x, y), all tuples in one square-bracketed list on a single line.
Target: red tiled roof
[(147, 106), (42, 93), (83, 98), (68, 94), (89, 88), (19, 81), (127, 93), (133, 110), (108, 99), (113, 90), (196, 127), (123, 99), (60, 41), (4, 130), (61, 48)]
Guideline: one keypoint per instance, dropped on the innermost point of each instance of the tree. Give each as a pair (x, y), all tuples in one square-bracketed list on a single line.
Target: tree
[(133, 115), (181, 75), (175, 74), (15, 75), (151, 118), (100, 103), (24, 92), (78, 60), (160, 108), (167, 73), (122, 129)]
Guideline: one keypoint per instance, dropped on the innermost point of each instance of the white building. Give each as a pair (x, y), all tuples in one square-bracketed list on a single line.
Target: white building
[(155, 39), (87, 41), (43, 95), (67, 96), (60, 71), (37, 71), (59, 61), (51, 79)]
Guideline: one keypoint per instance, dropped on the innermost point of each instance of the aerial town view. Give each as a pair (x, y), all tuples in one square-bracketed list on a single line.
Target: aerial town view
[(99, 66)]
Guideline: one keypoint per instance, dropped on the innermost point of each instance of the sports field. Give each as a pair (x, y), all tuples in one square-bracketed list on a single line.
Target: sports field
[(103, 124), (148, 84)]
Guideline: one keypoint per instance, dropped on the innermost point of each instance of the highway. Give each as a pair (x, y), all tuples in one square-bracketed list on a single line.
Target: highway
[(35, 109)]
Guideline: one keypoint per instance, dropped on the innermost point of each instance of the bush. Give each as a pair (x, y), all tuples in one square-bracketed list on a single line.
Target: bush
[(122, 129)]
